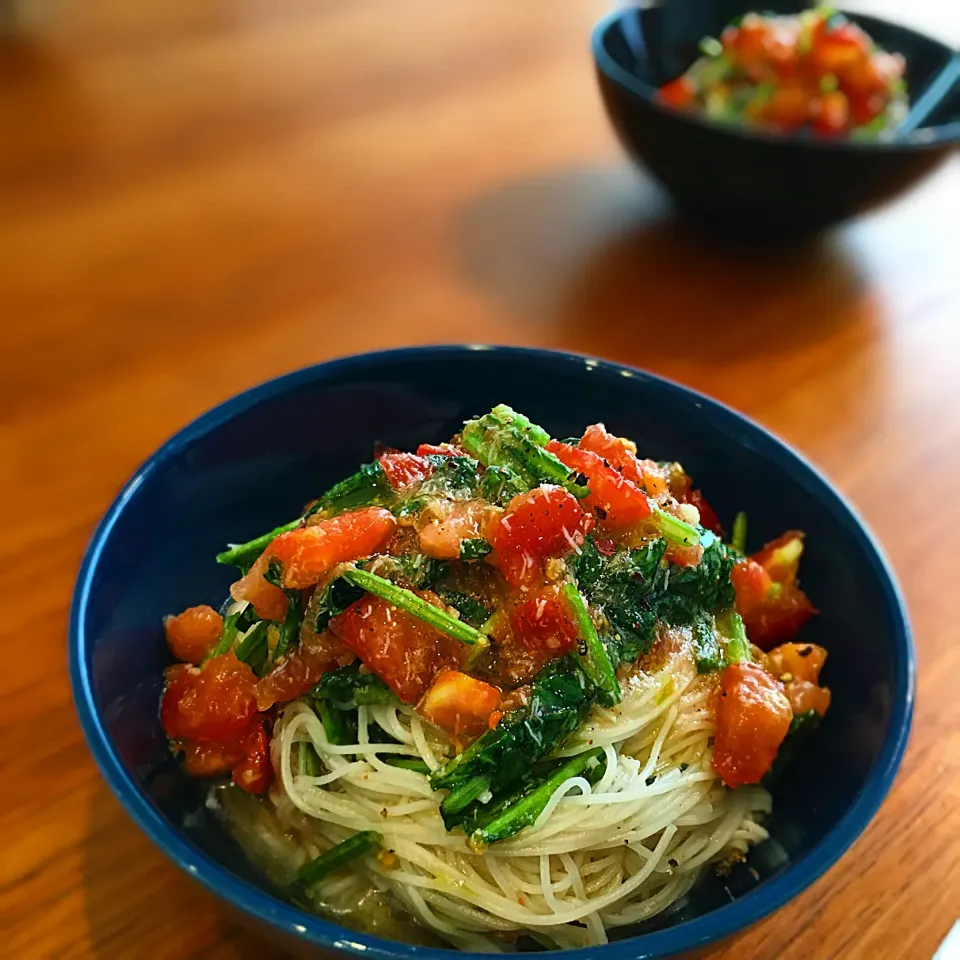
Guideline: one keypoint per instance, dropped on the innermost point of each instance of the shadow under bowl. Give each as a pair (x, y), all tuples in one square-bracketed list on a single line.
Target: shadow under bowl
[(254, 461), (751, 180)]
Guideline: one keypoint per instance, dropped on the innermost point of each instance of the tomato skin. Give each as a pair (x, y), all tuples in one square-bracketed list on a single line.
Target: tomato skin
[(404, 652), (833, 116), (300, 670), (309, 553), (798, 666), (254, 773), (789, 107), (679, 94), (439, 450), (616, 502), (459, 704), (215, 702), (753, 717), (544, 623), (802, 661), (834, 49), (441, 537), (269, 601), (773, 607), (191, 635), (545, 522), (405, 469), (621, 455)]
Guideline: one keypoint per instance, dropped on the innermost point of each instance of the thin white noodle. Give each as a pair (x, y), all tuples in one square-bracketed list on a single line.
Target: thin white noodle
[(601, 855)]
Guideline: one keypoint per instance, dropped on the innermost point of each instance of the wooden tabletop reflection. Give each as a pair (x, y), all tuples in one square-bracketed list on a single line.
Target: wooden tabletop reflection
[(196, 196)]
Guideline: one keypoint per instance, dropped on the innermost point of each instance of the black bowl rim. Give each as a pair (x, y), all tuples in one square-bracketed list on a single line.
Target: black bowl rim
[(711, 927), (918, 141)]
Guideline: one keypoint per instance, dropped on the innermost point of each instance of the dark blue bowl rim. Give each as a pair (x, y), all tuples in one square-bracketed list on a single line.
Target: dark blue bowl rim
[(925, 138), (711, 927)]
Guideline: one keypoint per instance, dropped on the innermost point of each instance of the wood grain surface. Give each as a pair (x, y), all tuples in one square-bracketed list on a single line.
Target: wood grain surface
[(196, 195)]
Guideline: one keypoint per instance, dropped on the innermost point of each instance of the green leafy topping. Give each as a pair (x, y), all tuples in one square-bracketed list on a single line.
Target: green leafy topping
[(559, 700), (730, 625), (738, 539), (454, 478), (474, 549), (593, 655), (706, 647), (349, 685), (359, 845), (505, 438), (521, 810), (417, 607), (471, 610)]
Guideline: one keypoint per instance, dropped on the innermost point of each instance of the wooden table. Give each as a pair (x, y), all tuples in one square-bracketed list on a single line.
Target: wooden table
[(196, 195)]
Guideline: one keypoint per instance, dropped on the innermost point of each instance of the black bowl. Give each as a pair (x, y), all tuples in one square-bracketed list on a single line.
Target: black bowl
[(784, 183)]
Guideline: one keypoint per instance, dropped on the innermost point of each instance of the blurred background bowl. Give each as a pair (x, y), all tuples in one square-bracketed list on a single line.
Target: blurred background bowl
[(254, 461), (740, 179)]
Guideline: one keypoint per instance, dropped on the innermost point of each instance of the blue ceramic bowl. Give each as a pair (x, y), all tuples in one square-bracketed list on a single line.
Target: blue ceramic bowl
[(254, 461)]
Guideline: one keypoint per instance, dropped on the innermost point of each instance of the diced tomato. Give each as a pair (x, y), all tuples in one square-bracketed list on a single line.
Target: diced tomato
[(835, 48), (789, 107), (254, 773), (544, 623), (405, 469), (459, 704), (802, 661), (762, 49), (621, 455), (679, 93), (211, 759), (773, 607), (404, 652), (215, 702), (453, 523), (440, 450), (192, 634), (805, 696), (781, 557), (616, 502), (269, 601), (772, 612), (751, 584), (546, 522), (298, 672), (833, 115), (308, 553), (753, 717), (798, 666)]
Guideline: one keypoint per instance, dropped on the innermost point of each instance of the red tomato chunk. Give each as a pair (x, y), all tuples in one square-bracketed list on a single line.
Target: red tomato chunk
[(459, 704), (215, 702), (404, 652), (309, 553), (546, 522), (544, 623), (616, 501), (192, 634), (753, 717), (405, 469)]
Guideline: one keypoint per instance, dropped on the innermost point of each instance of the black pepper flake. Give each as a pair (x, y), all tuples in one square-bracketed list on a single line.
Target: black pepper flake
[(673, 863), (650, 780), (600, 512), (581, 479), (724, 693), (805, 652), (683, 766)]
